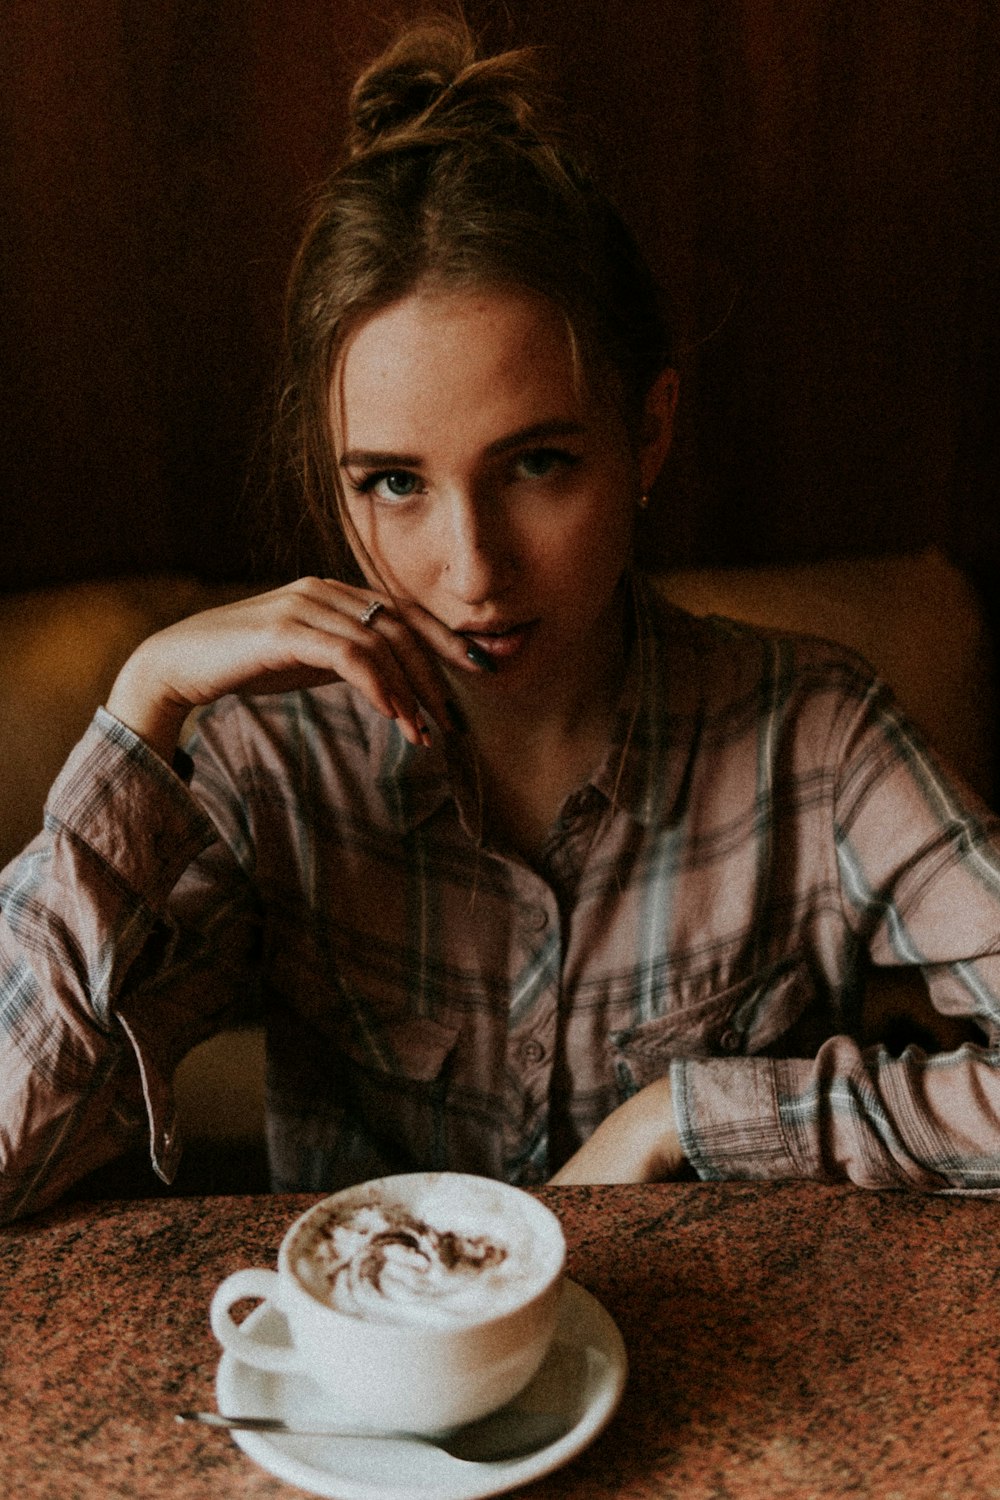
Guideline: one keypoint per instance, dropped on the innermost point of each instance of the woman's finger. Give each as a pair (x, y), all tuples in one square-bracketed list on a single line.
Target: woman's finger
[(449, 647), (420, 667), (376, 651)]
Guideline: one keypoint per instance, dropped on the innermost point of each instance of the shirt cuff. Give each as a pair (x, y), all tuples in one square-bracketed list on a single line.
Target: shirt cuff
[(165, 1142), (730, 1121)]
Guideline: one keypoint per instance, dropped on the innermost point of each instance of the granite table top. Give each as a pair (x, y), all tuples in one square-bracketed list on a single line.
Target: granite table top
[(785, 1340)]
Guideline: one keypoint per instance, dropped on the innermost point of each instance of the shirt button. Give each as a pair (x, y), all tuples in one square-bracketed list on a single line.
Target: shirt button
[(729, 1041), (532, 1052), (536, 919)]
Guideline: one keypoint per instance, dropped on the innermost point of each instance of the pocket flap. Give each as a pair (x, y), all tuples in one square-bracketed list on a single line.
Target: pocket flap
[(749, 1017), (400, 1045)]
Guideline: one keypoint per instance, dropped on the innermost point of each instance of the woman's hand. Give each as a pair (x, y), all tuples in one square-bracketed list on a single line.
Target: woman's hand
[(638, 1142), (302, 635)]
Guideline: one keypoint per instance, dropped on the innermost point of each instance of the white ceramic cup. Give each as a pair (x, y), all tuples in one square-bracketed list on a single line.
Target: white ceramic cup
[(405, 1363)]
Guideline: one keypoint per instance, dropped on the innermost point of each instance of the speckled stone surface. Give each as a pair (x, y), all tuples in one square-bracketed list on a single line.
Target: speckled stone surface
[(785, 1341)]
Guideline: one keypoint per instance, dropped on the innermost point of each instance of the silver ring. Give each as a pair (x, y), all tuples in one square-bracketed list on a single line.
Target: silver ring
[(368, 614)]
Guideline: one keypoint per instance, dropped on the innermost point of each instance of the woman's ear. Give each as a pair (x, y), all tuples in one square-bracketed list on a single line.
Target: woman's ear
[(657, 429)]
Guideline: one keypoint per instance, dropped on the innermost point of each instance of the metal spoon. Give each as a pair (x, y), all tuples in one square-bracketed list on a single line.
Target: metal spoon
[(499, 1438)]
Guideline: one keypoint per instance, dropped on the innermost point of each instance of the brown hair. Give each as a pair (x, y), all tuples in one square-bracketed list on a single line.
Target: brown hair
[(453, 177)]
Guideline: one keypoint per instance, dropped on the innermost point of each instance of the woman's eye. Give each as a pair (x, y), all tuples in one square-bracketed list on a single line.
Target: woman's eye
[(390, 484), (540, 463)]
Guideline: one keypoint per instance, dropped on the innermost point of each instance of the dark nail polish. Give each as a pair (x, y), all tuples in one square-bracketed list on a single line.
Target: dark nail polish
[(456, 718), (479, 658)]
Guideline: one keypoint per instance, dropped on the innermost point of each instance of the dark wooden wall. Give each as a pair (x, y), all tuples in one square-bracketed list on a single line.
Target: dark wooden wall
[(817, 182)]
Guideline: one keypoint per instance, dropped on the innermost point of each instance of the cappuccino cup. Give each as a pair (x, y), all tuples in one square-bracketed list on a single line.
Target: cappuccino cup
[(416, 1303)]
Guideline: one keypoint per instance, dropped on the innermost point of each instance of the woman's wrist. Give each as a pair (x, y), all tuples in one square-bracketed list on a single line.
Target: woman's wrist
[(155, 719), (637, 1142)]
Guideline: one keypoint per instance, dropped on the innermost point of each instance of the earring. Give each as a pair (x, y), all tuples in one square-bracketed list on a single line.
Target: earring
[(643, 502)]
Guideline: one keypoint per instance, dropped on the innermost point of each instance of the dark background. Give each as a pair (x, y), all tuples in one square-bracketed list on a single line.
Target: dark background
[(816, 180)]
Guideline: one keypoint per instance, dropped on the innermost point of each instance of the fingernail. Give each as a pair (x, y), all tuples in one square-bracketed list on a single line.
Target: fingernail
[(456, 718), (479, 658)]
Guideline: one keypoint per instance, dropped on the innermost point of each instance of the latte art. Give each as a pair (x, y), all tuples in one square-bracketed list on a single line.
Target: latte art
[(427, 1261), (385, 1263)]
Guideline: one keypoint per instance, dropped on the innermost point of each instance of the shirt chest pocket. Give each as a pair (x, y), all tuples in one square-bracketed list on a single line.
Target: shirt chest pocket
[(391, 1078), (747, 1018)]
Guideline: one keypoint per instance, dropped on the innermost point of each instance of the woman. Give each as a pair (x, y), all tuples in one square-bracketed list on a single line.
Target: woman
[(533, 876)]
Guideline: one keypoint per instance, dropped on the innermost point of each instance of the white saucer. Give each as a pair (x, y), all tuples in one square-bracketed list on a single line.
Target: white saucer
[(584, 1374)]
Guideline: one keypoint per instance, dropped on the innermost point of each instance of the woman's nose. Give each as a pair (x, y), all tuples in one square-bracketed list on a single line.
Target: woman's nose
[(480, 558)]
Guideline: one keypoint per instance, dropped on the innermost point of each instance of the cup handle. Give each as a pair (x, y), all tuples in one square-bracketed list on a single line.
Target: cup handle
[(252, 1282)]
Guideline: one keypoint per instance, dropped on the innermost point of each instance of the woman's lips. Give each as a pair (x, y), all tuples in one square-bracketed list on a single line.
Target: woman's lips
[(501, 645)]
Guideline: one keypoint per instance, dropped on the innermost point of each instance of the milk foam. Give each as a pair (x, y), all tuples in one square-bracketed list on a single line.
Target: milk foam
[(454, 1254)]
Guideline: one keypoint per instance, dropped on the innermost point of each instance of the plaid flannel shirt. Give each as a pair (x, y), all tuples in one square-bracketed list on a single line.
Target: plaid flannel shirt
[(766, 824)]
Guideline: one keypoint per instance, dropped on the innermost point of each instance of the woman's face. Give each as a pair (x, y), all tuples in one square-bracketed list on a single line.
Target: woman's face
[(486, 483)]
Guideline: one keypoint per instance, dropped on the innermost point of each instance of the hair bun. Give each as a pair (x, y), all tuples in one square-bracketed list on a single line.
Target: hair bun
[(430, 84)]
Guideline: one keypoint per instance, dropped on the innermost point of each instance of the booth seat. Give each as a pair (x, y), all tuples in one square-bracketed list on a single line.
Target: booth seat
[(915, 617)]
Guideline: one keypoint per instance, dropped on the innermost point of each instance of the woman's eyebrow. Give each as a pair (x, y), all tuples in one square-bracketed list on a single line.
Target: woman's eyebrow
[(538, 432), (374, 458)]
